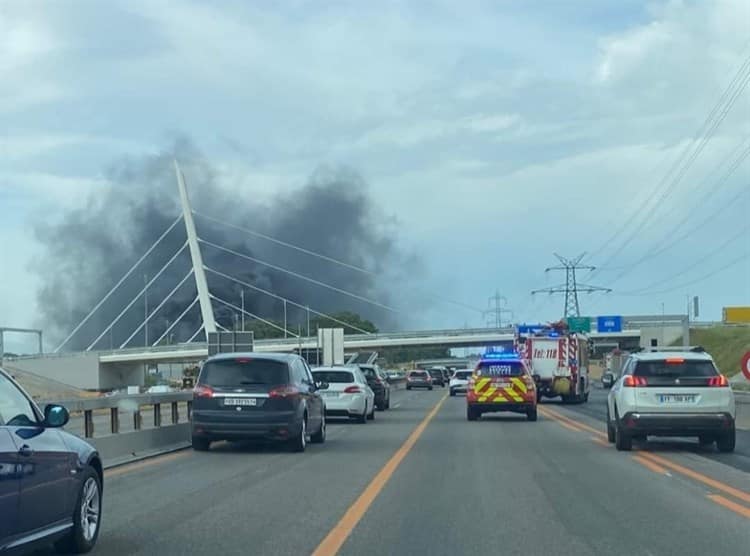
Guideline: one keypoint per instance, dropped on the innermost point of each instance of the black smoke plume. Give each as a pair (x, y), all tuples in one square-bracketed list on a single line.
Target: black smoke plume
[(87, 250)]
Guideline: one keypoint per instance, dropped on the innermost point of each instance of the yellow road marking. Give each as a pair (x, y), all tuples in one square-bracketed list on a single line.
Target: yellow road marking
[(736, 508), (650, 465), (338, 535), (560, 422), (150, 462)]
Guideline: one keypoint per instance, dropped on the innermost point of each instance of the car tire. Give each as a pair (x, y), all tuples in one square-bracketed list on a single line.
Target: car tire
[(429, 387), (381, 406), (531, 415), (81, 539), (388, 400), (610, 429), (471, 414), (371, 415), (586, 397), (725, 442), (408, 387), (705, 440), (320, 436), (362, 419), (201, 444), (299, 442), (452, 392), (623, 441)]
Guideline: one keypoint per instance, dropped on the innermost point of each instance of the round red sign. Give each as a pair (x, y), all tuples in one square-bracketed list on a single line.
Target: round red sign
[(746, 365)]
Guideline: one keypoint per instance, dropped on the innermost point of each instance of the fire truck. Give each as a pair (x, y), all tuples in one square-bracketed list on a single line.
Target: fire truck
[(558, 360)]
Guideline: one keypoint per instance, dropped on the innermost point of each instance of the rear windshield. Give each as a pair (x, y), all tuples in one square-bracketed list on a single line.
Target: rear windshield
[(244, 372), (418, 374), (437, 372), (333, 377), (675, 368), (463, 375), (500, 368)]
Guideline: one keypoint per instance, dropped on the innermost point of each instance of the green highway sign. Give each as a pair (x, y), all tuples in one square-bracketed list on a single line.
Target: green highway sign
[(579, 324)]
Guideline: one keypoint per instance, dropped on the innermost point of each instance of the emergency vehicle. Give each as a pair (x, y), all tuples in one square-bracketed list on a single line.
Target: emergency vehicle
[(501, 382), (558, 361)]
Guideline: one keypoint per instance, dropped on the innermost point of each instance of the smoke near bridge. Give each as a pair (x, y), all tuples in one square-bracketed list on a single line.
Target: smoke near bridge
[(87, 250)]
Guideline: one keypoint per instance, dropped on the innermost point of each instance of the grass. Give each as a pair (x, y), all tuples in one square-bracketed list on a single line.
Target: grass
[(727, 345)]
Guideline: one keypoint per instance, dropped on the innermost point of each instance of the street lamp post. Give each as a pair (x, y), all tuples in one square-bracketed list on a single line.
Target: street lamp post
[(242, 303), (285, 331)]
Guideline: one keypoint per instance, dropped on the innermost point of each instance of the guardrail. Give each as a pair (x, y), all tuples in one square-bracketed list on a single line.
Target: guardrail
[(119, 446)]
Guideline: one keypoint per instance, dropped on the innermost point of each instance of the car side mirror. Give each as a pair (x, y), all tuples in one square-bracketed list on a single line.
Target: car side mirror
[(55, 416)]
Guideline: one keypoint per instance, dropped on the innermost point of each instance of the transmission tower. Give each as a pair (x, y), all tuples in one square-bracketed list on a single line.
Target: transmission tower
[(496, 310), (571, 287)]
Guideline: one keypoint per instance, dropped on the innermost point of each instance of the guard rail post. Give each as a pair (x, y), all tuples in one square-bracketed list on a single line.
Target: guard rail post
[(175, 413), (157, 415), (114, 420), (88, 423), (137, 419)]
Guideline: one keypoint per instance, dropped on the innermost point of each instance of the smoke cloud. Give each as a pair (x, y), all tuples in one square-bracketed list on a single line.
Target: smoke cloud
[(87, 250)]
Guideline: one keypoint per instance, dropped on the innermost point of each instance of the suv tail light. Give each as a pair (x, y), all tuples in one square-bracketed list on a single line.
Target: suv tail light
[(352, 390), (203, 391), (634, 381), (720, 380), (284, 392), (529, 382)]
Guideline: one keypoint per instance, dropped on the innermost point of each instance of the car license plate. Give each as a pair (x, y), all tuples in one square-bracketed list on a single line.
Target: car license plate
[(330, 394), (676, 398), (241, 401)]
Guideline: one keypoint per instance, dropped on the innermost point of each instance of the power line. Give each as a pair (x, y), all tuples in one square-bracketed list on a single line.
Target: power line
[(686, 158), (300, 276), (571, 286)]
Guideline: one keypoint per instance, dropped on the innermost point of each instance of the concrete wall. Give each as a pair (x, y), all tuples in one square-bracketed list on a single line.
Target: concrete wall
[(120, 375), (664, 335), (79, 370)]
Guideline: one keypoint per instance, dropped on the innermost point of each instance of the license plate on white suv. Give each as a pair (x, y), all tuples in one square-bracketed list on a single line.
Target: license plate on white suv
[(676, 398), (241, 401)]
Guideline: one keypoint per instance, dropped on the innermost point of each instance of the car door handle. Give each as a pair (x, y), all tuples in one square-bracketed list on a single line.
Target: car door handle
[(25, 450)]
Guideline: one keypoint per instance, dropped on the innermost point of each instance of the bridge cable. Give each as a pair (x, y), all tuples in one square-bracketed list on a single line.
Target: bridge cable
[(300, 276), (293, 303), (176, 321), (331, 259), (158, 307), (137, 296), (118, 284), (253, 315), (200, 329)]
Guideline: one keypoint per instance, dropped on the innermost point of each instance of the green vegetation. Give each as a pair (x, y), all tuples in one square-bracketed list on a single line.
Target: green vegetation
[(727, 345), (398, 355)]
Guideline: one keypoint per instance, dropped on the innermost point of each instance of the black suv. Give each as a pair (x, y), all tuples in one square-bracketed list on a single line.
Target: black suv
[(438, 378), (50, 480), (379, 384), (245, 396)]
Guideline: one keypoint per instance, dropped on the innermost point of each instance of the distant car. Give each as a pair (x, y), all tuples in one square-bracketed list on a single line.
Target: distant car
[(608, 379), (459, 381), (348, 394), (501, 383), (671, 394), (50, 480), (418, 379), (245, 396), (438, 378), (378, 381)]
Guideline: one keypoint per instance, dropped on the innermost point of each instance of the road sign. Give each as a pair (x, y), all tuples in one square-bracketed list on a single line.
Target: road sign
[(579, 324), (609, 324), (530, 328), (746, 365)]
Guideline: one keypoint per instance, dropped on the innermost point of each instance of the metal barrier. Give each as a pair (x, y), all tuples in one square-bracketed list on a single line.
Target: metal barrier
[(118, 446)]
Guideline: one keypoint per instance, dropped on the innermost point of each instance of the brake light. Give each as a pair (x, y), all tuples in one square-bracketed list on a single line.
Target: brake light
[(634, 381), (202, 391), (675, 360), (352, 390), (284, 392), (720, 380)]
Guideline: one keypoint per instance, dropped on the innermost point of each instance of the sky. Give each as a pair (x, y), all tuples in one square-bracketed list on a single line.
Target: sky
[(490, 135)]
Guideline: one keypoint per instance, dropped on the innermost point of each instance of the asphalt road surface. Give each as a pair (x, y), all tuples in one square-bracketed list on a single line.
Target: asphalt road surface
[(421, 479)]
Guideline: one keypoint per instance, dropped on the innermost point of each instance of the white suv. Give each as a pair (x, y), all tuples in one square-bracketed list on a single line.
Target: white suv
[(671, 394)]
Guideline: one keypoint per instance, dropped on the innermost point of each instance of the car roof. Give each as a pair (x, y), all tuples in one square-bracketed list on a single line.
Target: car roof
[(280, 357), (329, 369), (661, 355)]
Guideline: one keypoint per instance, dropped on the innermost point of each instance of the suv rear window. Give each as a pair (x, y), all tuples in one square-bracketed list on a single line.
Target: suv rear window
[(333, 377), (676, 368), (462, 375), (501, 368), (244, 372), (418, 374)]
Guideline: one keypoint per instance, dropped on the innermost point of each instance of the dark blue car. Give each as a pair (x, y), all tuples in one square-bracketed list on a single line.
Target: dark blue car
[(50, 480)]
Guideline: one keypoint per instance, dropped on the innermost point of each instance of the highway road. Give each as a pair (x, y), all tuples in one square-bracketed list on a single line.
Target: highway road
[(421, 479)]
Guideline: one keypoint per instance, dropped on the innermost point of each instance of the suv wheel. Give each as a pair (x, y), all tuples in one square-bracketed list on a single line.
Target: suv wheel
[(86, 516), (531, 414), (623, 441), (705, 440), (610, 428), (320, 436), (453, 392), (725, 441), (472, 414), (299, 442), (201, 444)]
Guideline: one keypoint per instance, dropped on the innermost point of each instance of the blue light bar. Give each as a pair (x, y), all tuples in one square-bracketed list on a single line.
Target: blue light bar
[(508, 355)]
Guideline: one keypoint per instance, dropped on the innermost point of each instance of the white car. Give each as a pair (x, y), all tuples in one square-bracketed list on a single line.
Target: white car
[(348, 394), (459, 380), (671, 394)]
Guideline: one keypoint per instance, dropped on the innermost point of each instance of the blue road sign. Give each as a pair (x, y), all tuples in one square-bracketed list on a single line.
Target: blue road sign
[(609, 324), (530, 328)]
